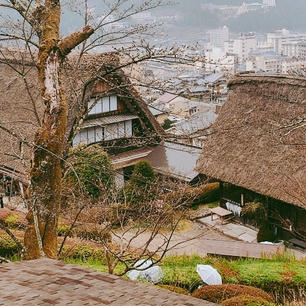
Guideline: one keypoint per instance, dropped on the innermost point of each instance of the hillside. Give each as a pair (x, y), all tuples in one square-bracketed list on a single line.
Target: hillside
[(197, 14)]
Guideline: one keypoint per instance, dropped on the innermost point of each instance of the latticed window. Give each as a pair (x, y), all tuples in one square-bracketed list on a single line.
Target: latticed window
[(102, 105)]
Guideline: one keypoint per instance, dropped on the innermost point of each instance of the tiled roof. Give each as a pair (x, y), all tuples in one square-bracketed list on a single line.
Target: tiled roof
[(174, 159), (128, 158), (51, 282), (107, 120)]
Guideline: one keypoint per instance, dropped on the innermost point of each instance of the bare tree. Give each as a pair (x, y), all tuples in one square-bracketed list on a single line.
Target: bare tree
[(137, 222), (36, 30)]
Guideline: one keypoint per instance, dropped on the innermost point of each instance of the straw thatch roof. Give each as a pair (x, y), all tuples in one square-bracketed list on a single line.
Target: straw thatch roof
[(21, 108), (258, 141)]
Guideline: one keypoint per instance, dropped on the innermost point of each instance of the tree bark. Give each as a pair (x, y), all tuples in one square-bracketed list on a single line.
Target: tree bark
[(50, 139), (46, 172)]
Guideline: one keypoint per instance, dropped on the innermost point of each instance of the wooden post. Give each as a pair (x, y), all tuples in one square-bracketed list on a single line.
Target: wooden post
[(242, 199), (220, 191)]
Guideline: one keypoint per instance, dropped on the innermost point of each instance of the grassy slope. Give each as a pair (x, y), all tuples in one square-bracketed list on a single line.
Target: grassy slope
[(263, 273)]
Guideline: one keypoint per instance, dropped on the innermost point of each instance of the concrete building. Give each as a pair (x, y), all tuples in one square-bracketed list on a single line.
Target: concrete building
[(227, 64), (271, 3), (278, 39), (242, 46), (268, 63), (294, 49), (275, 64), (217, 37)]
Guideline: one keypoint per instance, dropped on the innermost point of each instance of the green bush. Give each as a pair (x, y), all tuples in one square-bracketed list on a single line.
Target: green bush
[(140, 187), (142, 175), (175, 289), (167, 124), (265, 234), (91, 170), (62, 229), (12, 220), (246, 300), (84, 253), (220, 293), (8, 248)]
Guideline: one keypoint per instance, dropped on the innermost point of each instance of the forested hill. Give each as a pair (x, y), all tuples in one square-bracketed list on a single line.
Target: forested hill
[(290, 14)]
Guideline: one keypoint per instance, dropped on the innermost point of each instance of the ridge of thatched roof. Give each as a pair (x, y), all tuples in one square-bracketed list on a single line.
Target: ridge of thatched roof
[(258, 142)]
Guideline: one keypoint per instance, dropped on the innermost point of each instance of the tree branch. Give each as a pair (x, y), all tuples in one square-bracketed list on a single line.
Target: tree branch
[(71, 41)]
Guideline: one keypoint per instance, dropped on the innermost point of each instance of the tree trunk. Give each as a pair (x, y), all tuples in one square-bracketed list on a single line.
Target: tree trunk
[(50, 139), (46, 172)]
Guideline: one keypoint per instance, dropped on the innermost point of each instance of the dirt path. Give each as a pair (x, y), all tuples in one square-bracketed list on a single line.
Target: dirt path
[(202, 240), (187, 242)]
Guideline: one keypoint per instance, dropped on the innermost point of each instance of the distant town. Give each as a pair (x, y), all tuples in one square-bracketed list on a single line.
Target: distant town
[(195, 93)]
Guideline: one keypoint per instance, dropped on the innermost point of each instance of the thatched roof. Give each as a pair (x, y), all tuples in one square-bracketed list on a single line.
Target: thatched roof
[(21, 108), (258, 141)]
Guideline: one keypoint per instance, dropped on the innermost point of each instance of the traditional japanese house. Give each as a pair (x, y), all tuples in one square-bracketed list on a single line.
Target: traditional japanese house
[(103, 106), (257, 150)]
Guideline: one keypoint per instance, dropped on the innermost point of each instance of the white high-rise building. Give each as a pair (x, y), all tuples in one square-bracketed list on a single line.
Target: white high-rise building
[(278, 39), (269, 3), (242, 46), (269, 63), (295, 49), (217, 37)]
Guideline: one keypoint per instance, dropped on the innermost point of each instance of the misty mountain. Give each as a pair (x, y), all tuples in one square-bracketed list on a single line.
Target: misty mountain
[(191, 18), (205, 14)]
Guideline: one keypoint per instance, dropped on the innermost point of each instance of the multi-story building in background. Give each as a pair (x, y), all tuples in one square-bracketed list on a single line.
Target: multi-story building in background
[(268, 63), (270, 3), (217, 37), (294, 49), (281, 40), (241, 46)]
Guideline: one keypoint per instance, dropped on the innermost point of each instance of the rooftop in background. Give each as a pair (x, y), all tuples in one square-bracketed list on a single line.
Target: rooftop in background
[(176, 160), (50, 282), (212, 78), (196, 122), (155, 111), (165, 98)]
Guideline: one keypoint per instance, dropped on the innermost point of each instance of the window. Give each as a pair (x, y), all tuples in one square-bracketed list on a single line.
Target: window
[(89, 135), (111, 131), (128, 128), (99, 133), (83, 136), (121, 129), (103, 105), (113, 103)]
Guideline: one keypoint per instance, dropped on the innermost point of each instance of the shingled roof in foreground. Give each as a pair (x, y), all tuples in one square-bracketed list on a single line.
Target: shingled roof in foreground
[(50, 282)]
